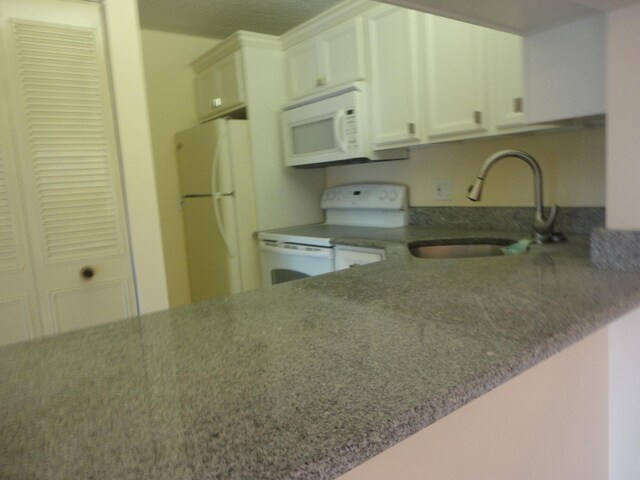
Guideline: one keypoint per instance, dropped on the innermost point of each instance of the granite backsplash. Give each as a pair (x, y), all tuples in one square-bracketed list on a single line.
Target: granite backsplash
[(580, 220)]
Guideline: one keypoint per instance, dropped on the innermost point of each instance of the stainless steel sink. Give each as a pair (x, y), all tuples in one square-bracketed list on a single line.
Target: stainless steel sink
[(459, 248)]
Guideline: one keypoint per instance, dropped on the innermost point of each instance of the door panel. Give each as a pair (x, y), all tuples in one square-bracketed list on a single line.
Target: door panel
[(15, 320), (395, 97), (206, 255), (65, 149), (456, 92), (196, 148), (342, 52), (302, 67), (86, 306)]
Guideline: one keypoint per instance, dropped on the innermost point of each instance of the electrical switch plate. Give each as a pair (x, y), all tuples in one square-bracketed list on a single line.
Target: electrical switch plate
[(442, 190)]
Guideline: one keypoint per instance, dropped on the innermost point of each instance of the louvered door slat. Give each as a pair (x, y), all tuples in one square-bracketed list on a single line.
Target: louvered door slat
[(62, 101), (9, 258)]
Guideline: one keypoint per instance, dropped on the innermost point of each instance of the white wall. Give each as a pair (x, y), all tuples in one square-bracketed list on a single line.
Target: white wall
[(572, 163), (123, 33), (624, 397), (623, 120), (172, 108), (623, 212)]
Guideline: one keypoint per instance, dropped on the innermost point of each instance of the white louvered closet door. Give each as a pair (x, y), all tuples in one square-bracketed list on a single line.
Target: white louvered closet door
[(67, 158)]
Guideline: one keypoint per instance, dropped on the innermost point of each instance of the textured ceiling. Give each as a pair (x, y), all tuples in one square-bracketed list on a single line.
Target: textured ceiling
[(517, 16), (220, 18)]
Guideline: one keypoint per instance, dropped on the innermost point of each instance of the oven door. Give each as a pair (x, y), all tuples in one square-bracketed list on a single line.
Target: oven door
[(283, 262)]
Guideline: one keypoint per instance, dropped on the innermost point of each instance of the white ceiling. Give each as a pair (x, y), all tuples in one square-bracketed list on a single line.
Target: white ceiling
[(517, 16), (220, 18)]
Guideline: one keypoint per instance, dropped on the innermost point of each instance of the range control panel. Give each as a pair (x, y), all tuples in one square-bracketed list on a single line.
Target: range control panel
[(367, 205), (367, 196)]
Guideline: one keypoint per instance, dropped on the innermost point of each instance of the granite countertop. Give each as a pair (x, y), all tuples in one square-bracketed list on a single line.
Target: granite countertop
[(302, 380)]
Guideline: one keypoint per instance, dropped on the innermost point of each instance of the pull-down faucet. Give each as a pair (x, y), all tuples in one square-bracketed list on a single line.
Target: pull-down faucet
[(543, 228)]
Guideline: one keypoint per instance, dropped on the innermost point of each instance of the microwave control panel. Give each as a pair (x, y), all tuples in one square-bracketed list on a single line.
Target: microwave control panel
[(350, 130)]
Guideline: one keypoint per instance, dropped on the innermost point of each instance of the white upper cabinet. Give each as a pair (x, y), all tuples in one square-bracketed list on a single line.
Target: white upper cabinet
[(430, 78), (394, 36), (456, 78), (331, 58), (506, 81), (220, 87), (302, 68)]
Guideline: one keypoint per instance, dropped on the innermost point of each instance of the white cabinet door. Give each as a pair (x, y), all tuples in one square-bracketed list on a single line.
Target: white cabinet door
[(341, 53), (456, 77), (506, 80), (394, 66), (302, 66), (220, 87), (60, 108), (334, 57)]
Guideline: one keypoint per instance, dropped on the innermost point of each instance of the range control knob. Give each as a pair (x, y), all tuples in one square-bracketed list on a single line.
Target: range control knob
[(382, 195), (393, 196)]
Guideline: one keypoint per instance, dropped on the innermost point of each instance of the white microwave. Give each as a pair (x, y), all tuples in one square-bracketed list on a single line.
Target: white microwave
[(331, 127)]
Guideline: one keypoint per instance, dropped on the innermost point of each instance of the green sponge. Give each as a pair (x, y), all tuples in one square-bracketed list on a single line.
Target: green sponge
[(521, 246)]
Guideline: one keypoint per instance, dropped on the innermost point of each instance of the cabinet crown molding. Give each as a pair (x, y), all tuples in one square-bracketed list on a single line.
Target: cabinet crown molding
[(237, 41), (342, 11)]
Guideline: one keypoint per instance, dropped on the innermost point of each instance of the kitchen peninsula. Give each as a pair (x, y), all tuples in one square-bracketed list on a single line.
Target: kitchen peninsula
[(307, 379)]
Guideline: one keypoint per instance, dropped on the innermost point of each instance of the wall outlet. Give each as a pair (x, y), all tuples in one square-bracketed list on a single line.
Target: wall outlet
[(442, 190)]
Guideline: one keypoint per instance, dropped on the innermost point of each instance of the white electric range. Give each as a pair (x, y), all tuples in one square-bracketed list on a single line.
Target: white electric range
[(298, 252)]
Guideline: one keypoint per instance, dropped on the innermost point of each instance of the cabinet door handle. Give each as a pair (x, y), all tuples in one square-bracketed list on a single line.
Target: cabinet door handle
[(320, 81), (518, 105), (215, 103), (411, 127), (477, 117)]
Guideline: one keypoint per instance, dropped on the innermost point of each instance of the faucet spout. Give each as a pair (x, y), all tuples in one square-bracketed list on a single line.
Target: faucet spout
[(543, 227)]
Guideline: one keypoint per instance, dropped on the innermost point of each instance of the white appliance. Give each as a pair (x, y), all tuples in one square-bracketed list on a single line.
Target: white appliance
[(331, 127), (298, 252), (217, 196)]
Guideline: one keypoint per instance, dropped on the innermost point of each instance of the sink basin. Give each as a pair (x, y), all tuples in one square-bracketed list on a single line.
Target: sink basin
[(459, 248)]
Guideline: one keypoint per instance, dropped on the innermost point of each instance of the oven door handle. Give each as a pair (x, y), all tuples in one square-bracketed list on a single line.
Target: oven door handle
[(317, 252)]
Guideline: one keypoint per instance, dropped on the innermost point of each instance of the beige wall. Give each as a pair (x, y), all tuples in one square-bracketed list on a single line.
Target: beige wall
[(623, 134), (549, 422), (572, 163), (171, 108)]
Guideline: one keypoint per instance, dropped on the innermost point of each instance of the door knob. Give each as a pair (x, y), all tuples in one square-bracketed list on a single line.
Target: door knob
[(87, 272)]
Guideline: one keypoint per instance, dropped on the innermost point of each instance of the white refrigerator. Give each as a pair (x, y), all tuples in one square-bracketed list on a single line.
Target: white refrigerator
[(219, 208)]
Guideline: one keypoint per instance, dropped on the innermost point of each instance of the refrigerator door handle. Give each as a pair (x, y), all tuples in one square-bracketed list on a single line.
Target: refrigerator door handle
[(223, 233), (215, 171), (215, 168)]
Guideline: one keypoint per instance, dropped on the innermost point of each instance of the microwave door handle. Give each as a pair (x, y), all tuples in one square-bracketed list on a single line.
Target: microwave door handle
[(338, 130)]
